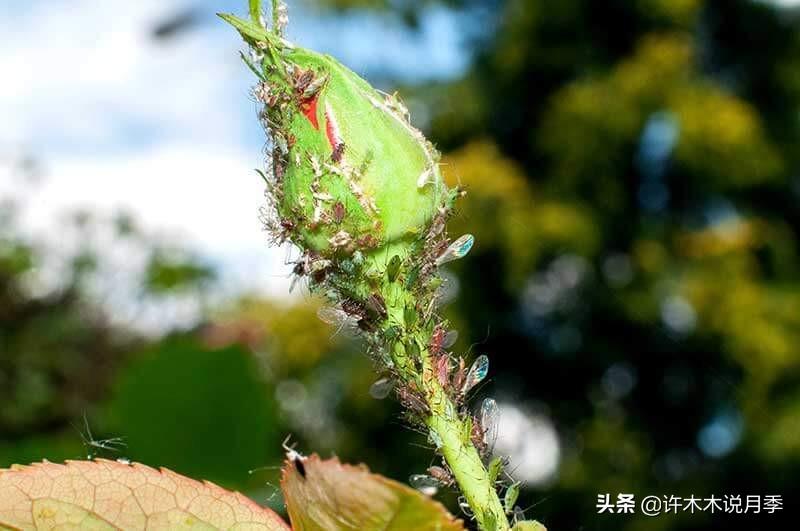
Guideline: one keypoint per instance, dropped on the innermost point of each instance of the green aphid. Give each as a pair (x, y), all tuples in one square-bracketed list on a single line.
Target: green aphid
[(393, 268), (393, 332), (495, 467), (510, 498), (412, 349), (411, 277), (410, 316)]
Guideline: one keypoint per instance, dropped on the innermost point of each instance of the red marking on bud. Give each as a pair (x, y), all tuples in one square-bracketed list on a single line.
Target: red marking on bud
[(333, 134), (309, 108)]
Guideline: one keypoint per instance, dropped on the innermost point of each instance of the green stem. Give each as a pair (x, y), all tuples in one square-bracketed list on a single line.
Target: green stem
[(449, 426), (465, 462)]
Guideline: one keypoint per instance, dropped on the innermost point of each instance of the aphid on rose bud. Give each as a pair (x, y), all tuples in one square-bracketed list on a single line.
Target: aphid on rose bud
[(280, 143), (318, 266), (338, 212), (314, 87), (393, 268), (338, 152), (393, 332), (437, 339), (367, 241), (340, 239), (376, 303), (441, 475), (495, 467), (303, 79), (287, 225), (262, 92), (354, 308), (424, 178)]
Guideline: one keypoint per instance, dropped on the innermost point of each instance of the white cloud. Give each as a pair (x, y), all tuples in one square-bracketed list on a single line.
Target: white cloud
[(92, 76), (120, 121)]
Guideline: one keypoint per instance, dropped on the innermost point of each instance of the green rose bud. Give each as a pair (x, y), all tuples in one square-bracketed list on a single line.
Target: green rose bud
[(350, 172)]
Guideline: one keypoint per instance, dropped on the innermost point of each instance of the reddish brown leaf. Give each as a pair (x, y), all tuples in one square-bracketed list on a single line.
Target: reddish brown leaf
[(330, 496), (104, 494)]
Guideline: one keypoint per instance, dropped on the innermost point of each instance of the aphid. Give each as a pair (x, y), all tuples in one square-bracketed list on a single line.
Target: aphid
[(381, 388), (424, 483), (437, 338), (441, 475), (340, 239), (495, 467), (314, 87), (338, 152), (478, 437), (410, 315), (393, 268), (303, 80), (394, 104), (114, 444), (316, 266), (490, 417), (338, 212), (283, 19), (459, 375), (411, 400), (510, 498), (377, 305), (411, 277), (424, 178), (441, 368), (393, 332), (457, 249), (477, 372), (295, 457), (412, 349)]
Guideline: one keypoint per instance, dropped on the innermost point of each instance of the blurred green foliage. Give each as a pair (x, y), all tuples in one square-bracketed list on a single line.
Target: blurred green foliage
[(631, 169)]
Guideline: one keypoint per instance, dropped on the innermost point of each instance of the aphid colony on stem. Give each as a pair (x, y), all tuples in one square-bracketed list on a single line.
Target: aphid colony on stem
[(358, 190)]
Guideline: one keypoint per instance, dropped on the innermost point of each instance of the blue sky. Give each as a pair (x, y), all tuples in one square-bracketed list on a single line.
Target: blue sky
[(166, 130)]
